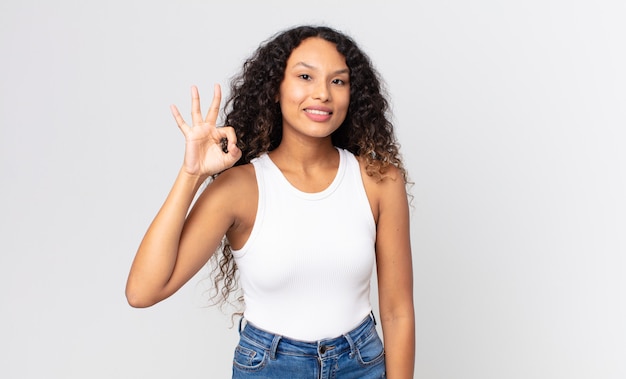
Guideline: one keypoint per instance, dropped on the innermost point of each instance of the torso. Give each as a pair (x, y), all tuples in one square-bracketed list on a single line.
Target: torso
[(308, 250)]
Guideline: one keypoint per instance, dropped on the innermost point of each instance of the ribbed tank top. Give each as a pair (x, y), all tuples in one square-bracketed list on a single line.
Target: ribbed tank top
[(305, 270)]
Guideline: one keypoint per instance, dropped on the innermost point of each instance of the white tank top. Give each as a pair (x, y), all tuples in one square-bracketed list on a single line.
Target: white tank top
[(305, 270)]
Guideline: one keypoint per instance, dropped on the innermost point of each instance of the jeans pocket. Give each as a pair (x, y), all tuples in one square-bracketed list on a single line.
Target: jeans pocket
[(371, 350), (249, 357)]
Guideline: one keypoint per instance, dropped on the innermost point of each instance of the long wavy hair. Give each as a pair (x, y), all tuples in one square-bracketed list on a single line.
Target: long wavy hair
[(252, 111)]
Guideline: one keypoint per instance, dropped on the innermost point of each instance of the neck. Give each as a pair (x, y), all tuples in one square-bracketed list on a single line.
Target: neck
[(303, 154)]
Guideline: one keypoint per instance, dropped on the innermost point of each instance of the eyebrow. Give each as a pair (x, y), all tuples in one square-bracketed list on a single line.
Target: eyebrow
[(337, 72)]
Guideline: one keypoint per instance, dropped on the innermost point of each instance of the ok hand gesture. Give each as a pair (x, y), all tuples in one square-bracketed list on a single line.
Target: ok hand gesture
[(209, 149)]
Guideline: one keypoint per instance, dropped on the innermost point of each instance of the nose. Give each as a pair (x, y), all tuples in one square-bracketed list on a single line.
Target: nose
[(322, 92)]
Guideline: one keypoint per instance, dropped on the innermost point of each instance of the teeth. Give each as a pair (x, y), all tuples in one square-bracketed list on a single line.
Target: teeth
[(314, 111)]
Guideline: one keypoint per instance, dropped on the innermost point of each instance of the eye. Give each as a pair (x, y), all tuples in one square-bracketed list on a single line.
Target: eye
[(338, 81), (305, 76)]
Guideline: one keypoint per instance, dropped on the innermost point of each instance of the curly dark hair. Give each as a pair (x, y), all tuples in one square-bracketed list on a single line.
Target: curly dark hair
[(255, 115)]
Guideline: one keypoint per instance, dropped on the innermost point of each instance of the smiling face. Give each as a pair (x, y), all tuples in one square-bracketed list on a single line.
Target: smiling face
[(315, 92)]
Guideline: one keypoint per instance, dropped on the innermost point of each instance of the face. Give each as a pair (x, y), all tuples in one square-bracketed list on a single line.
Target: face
[(315, 91)]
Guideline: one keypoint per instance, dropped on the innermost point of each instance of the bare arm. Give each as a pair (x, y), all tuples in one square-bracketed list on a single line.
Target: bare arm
[(173, 248), (395, 277)]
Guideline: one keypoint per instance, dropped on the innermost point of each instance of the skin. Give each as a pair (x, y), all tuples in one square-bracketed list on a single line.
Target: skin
[(314, 98)]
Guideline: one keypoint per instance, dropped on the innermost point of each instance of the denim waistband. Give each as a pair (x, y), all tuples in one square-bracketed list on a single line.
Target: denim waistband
[(277, 344)]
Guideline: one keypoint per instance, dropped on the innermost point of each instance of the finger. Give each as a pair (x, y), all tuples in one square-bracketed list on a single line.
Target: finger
[(214, 109), (182, 125), (196, 114), (228, 133)]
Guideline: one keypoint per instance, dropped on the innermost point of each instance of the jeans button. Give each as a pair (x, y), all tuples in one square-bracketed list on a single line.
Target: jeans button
[(322, 349)]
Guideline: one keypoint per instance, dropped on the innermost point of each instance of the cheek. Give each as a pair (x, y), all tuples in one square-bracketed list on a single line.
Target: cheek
[(344, 102), (341, 96), (290, 101), (295, 94)]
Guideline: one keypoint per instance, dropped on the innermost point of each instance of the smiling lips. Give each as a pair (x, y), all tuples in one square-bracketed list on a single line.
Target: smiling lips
[(316, 114), (316, 111)]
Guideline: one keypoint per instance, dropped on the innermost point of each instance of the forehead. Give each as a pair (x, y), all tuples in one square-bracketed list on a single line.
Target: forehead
[(315, 51)]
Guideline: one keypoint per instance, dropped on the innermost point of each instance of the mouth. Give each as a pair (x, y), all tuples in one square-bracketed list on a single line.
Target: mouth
[(318, 112)]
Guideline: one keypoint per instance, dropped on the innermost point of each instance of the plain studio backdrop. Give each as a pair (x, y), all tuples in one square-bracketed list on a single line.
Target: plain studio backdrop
[(511, 116)]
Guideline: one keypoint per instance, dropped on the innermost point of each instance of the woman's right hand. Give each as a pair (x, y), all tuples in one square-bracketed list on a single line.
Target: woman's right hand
[(209, 149)]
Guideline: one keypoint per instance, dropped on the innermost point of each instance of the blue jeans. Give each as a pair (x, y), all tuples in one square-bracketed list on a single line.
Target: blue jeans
[(358, 354)]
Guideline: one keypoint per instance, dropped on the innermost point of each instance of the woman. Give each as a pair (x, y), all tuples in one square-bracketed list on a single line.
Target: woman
[(308, 194)]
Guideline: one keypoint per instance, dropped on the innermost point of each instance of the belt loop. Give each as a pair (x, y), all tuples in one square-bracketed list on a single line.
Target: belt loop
[(351, 343), (274, 346)]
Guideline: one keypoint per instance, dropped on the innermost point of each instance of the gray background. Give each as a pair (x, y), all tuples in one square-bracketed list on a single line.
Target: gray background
[(511, 116)]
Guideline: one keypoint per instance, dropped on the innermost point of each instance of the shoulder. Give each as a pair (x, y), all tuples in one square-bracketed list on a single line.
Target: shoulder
[(231, 198), (391, 178), (230, 187), (234, 182), (386, 191), (236, 176)]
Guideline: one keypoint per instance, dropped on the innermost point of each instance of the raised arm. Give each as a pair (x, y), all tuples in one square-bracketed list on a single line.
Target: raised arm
[(173, 248)]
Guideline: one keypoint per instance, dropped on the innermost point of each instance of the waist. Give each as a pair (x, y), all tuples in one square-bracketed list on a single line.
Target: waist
[(278, 344)]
